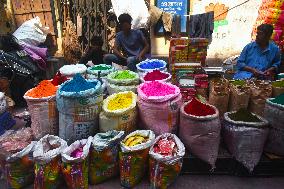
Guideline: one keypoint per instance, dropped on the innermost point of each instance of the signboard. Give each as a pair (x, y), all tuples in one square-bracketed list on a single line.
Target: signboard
[(179, 7)]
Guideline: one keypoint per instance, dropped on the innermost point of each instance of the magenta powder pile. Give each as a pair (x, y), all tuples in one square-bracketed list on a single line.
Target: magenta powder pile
[(77, 153), (156, 88), (155, 75)]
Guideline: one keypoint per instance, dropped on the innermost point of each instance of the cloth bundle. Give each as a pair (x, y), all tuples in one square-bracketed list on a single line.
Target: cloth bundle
[(166, 157), (134, 157), (75, 164), (104, 156)]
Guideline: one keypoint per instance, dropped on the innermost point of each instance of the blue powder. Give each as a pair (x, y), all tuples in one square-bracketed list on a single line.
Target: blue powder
[(77, 84), (152, 64)]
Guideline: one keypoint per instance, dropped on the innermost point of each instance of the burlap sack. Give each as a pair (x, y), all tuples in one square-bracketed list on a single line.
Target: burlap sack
[(239, 97), (260, 91)]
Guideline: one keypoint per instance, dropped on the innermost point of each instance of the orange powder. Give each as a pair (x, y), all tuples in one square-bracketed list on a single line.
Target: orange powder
[(44, 89)]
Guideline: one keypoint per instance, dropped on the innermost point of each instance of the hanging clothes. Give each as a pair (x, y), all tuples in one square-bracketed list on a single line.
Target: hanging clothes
[(201, 25)]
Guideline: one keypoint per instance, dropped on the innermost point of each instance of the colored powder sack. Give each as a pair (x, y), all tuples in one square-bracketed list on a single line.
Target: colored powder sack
[(238, 82), (101, 67), (77, 84), (120, 101), (124, 75), (279, 100), (58, 79), (155, 75), (244, 115), (278, 84), (152, 64), (77, 153), (157, 89), (135, 140), (44, 89), (197, 108), (166, 147)]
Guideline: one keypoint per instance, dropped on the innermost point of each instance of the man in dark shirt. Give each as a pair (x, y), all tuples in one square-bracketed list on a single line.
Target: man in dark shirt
[(94, 53), (130, 45)]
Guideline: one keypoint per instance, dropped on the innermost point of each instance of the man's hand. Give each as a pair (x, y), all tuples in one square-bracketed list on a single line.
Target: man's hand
[(140, 57), (270, 71), (257, 73)]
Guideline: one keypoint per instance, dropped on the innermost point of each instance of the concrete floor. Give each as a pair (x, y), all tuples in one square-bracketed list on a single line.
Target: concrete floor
[(203, 182)]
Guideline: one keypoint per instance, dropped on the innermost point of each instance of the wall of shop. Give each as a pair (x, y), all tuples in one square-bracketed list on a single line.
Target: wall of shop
[(232, 29)]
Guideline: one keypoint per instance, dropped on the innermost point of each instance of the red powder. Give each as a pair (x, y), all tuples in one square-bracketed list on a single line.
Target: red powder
[(58, 79), (196, 108), (155, 75)]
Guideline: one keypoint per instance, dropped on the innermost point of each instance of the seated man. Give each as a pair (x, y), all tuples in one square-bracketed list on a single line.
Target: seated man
[(131, 42), (94, 53), (261, 58)]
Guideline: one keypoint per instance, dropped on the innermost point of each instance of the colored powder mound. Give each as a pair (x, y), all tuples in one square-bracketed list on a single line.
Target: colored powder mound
[(157, 89), (197, 108), (77, 153), (124, 75), (120, 101), (101, 67), (152, 64), (44, 89), (166, 147), (155, 75), (58, 79), (244, 115), (77, 84), (238, 82), (278, 84), (279, 100)]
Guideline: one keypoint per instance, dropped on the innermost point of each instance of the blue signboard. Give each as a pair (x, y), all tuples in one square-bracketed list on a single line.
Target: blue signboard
[(179, 7)]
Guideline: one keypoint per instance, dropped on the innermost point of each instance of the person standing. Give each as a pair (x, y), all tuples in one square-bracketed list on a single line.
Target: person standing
[(260, 59), (130, 45)]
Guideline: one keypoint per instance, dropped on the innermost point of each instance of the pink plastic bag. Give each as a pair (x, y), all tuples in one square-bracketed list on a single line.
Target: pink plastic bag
[(160, 117)]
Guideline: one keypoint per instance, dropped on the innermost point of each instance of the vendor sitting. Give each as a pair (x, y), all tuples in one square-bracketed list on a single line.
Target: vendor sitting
[(131, 42), (94, 54), (261, 58)]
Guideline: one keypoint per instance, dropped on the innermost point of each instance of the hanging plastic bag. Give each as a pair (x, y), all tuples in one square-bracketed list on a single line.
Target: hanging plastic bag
[(134, 157), (104, 156), (245, 140), (47, 157), (166, 157), (19, 168), (32, 32), (75, 164), (122, 118)]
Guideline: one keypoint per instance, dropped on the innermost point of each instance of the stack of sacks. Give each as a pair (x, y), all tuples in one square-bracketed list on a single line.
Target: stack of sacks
[(271, 12), (120, 81), (41, 102), (159, 104), (119, 112), (150, 65)]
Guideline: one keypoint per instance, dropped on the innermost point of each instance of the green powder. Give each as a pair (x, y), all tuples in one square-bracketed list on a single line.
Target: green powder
[(238, 82), (279, 99), (124, 75), (101, 67), (244, 115), (278, 84)]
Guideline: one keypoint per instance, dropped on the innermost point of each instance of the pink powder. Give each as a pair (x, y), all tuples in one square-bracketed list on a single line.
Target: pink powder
[(77, 153), (156, 88)]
